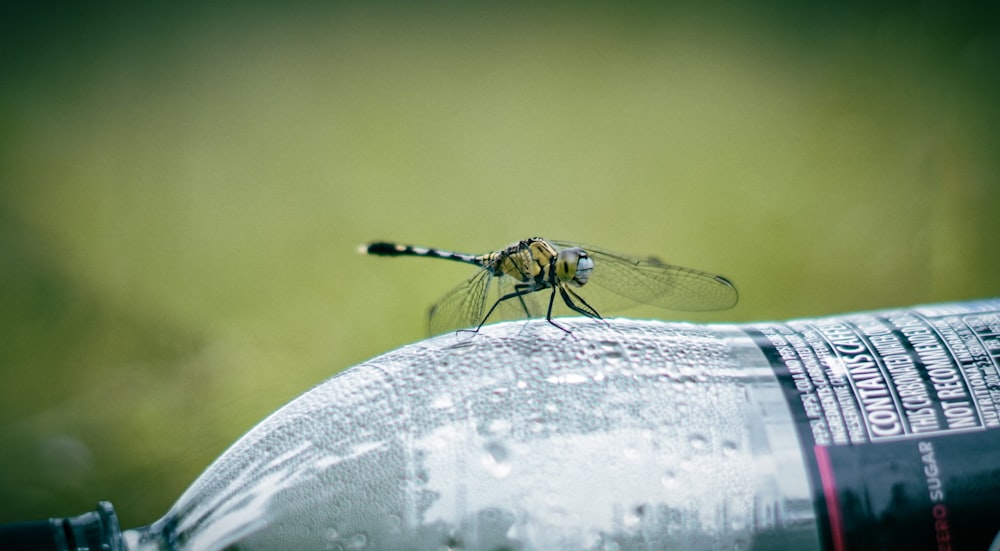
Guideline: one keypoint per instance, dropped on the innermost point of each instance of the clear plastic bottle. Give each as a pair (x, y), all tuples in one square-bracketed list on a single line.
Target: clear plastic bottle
[(872, 430)]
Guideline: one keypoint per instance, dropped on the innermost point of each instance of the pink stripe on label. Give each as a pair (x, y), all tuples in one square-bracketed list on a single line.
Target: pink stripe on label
[(830, 493)]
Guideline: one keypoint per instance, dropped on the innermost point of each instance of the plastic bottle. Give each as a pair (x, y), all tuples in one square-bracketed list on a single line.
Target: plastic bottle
[(864, 431)]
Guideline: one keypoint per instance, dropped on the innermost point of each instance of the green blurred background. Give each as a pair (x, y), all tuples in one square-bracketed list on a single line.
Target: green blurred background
[(182, 190)]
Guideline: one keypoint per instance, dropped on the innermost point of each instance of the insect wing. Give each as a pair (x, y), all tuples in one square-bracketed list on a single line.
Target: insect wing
[(652, 281), (465, 306), (462, 307)]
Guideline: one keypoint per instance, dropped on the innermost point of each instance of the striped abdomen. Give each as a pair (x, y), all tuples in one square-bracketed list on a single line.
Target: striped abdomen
[(394, 249)]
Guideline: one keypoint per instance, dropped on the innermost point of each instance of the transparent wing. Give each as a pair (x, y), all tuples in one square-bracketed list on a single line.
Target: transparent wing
[(652, 281), (465, 306)]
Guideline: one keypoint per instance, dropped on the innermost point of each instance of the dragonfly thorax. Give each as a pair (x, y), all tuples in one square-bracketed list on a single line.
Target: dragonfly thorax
[(527, 261)]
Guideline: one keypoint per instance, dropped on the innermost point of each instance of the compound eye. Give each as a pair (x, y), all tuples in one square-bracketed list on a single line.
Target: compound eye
[(584, 267), (574, 266)]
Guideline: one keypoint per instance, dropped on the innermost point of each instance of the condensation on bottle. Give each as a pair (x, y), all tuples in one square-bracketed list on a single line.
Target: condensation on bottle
[(874, 430)]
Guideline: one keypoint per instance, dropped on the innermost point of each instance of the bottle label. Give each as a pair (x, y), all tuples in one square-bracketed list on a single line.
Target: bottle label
[(898, 412)]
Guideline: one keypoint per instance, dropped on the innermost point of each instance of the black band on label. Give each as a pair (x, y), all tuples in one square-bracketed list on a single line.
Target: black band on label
[(896, 411)]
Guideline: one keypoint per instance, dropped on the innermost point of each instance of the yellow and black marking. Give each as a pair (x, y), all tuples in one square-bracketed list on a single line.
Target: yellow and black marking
[(536, 264)]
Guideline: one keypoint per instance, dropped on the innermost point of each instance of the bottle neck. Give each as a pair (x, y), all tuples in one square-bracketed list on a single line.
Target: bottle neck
[(93, 530)]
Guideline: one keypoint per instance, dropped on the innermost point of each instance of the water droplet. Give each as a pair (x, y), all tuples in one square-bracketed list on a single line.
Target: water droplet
[(496, 459), (729, 448), (558, 379), (490, 516), (357, 541), (669, 478), (442, 401), (421, 477), (460, 346), (499, 426), (698, 441), (611, 350), (633, 518)]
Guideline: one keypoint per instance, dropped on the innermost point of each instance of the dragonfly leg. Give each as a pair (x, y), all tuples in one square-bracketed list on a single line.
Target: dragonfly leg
[(548, 316), (521, 291), (527, 313), (587, 309)]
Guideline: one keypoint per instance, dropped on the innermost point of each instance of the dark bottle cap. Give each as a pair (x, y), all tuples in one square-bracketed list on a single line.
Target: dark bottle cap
[(96, 530)]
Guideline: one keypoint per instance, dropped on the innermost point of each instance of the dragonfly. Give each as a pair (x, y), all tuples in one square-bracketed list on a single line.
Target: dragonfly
[(523, 280)]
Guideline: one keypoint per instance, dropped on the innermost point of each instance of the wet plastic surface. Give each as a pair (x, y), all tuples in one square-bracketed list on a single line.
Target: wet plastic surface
[(620, 435)]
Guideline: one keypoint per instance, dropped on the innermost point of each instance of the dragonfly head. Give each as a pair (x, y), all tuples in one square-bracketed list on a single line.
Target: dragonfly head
[(573, 266)]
